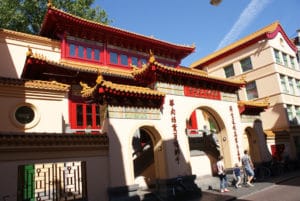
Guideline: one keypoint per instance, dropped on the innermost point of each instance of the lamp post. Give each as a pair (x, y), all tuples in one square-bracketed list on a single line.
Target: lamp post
[(215, 2)]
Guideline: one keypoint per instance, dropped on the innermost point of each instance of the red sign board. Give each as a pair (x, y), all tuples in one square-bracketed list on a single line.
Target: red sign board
[(202, 93)]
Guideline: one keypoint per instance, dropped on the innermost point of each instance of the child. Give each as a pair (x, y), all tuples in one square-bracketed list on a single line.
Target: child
[(237, 175)]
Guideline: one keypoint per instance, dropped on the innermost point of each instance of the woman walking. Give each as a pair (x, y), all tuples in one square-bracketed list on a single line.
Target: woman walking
[(222, 175)]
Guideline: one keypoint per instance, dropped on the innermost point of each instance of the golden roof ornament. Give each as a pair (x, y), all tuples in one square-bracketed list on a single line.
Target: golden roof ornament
[(99, 79), (49, 4), (84, 86), (29, 52), (151, 58), (243, 78)]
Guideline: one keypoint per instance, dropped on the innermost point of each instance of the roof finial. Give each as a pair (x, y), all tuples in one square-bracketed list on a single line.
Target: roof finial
[(29, 52), (49, 4), (99, 79), (243, 78), (151, 58)]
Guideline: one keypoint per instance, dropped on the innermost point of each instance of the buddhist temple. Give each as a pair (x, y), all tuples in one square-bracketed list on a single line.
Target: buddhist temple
[(94, 112)]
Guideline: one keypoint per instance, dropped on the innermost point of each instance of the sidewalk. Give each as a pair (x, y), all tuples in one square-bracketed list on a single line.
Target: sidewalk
[(215, 195)]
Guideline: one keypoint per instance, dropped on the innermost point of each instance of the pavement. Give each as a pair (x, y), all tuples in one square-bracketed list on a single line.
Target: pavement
[(213, 193)]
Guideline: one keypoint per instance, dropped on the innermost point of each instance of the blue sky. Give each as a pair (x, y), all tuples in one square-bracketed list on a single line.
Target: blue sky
[(197, 22)]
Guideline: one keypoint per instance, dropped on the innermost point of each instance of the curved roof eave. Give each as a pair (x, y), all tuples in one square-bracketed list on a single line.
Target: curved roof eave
[(53, 13)]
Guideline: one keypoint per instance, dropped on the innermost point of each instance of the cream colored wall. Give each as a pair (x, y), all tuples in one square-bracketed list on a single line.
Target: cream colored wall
[(120, 133), (279, 43), (201, 165), (13, 50), (51, 107)]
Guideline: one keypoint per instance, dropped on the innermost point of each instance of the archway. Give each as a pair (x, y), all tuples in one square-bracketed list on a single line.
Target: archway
[(148, 158), (207, 140)]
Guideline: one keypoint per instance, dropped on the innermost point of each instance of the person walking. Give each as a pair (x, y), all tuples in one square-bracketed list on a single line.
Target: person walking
[(248, 167), (237, 175), (222, 175)]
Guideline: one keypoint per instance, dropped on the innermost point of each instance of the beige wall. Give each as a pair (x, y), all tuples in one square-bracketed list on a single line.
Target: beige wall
[(51, 109), (14, 46)]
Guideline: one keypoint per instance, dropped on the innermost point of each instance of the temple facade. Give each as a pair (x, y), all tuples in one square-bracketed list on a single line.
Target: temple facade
[(94, 112)]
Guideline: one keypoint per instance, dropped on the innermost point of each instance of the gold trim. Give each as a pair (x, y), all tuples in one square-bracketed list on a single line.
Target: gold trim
[(28, 37), (34, 84)]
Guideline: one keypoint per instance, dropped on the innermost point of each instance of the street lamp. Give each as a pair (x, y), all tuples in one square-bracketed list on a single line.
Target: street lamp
[(215, 2)]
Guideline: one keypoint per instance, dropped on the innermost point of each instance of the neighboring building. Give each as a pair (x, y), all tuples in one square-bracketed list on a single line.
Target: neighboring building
[(296, 41), (267, 60), (93, 112)]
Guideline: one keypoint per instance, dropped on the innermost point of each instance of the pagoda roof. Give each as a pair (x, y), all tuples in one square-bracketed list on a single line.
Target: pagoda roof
[(252, 107), (268, 32), (37, 65), (154, 67), (57, 22), (105, 89)]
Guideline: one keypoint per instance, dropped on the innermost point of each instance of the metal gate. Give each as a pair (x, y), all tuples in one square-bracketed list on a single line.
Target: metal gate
[(52, 182)]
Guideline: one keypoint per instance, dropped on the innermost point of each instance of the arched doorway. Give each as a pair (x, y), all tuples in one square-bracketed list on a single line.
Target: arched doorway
[(207, 140), (148, 157)]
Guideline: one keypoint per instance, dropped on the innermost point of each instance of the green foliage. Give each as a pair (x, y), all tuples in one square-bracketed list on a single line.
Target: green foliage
[(27, 15)]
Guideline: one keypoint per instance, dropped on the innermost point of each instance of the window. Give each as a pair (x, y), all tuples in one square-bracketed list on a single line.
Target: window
[(297, 110), (72, 52), (285, 60), (291, 85), (97, 55), (298, 87), (134, 61), (251, 90), (292, 59), (289, 110), (124, 60), (277, 56), (283, 84), (85, 116), (246, 64), (113, 58), (89, 53), (229, 71), (83, 52), (80, 51), (25, 115), (143, 61)]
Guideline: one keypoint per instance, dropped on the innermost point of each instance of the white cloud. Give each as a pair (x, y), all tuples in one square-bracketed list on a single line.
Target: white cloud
[(247, 16)]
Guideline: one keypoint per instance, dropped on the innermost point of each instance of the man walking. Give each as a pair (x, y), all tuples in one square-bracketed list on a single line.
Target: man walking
[(248, 167)]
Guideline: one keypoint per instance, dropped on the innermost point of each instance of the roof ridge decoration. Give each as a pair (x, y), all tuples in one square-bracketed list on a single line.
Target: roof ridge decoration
[(269, 32), (119, 30), (49, 4), (34, 84), (264, 103), (88, 91)]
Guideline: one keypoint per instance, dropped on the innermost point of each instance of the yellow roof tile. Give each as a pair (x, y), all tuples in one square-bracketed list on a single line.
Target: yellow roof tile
[(34, 84)]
